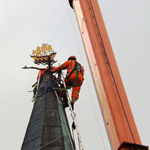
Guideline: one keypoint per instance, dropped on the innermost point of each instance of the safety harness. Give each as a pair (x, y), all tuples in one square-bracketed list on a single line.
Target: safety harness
[(77, 68)]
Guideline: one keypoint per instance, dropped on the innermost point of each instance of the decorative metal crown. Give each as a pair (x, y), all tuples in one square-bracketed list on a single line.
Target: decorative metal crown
[(43, 54)]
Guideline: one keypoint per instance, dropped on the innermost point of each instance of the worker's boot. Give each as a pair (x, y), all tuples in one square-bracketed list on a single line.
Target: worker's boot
[(72, 102), (72, 105), (66, 104)]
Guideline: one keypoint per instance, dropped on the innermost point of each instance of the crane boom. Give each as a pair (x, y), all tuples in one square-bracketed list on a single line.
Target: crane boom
[(115, 107)]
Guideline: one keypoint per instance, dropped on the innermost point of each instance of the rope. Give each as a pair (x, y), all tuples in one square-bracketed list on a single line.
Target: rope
[(99, 127), (79, 145)]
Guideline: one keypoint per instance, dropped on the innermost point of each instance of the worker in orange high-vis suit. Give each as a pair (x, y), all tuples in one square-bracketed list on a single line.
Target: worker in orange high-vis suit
[(73, 79)]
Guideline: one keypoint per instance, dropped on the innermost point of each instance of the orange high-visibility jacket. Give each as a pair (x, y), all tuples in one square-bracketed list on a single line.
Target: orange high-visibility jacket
[(69, 65)]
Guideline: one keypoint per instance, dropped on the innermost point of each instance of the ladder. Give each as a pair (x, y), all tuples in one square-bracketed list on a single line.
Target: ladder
[(73, 115)]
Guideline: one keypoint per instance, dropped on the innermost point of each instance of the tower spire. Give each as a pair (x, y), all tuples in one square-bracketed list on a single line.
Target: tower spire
[(48, 127)]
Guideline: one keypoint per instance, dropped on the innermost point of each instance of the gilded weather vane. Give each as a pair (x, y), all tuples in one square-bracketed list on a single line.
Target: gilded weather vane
[(43, 55)]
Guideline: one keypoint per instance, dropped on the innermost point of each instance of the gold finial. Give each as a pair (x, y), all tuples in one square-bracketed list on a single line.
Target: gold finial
[(43, 54)]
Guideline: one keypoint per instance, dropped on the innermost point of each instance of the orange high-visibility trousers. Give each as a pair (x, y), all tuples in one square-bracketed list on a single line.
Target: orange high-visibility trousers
[(76, 89)]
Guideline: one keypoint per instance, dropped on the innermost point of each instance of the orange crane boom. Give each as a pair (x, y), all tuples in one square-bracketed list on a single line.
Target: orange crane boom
[(113, 101)]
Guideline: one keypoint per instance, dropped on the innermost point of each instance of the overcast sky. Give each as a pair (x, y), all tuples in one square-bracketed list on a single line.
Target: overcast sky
[(26, 24)]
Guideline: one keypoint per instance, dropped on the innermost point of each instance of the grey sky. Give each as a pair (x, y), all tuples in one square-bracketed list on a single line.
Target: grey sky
[(26, 24)]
